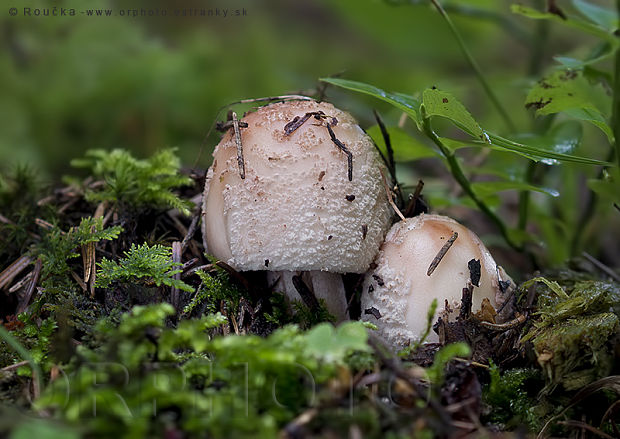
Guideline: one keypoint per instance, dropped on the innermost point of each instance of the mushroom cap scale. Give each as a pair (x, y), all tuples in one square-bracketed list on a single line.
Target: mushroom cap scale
[(296, 207), (400, 289)]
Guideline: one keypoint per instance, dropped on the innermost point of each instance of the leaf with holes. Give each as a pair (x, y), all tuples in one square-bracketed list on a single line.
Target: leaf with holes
[(562, 90)]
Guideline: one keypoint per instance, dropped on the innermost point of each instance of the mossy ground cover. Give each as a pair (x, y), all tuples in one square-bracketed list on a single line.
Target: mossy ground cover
[(90, 306)]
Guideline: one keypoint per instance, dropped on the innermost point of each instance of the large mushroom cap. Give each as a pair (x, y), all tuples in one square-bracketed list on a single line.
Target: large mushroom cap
[(296, 208), (400, 289)]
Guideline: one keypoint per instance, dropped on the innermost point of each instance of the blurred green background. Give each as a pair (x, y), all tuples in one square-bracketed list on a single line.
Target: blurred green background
[(72, 83), (77, 82)]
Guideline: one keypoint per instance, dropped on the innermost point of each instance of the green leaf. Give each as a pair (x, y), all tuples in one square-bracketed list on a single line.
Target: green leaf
[(487, 188), (530, 12), (599, 53), (406, 147), (562, 90), (607, 187), (444, 104), (456, 112), (325, 342), (191, 333), (43, 429), (563, 138), (570, 21), (143, 316), (510, 145), (454, 144), (595, 118), (597, 76), (553, 285), (604, 17), (443, 357), (401, 101)]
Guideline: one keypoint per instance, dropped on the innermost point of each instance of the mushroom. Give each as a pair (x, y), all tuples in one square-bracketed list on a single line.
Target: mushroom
[(298, 191), (398, 293)]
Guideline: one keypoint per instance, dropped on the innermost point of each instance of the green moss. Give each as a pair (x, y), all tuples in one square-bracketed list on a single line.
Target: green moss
[(19, 191), (511, 397), (572, 337), (132, 183), (306, 317), (576, 352), (214, 289), (57, 247), (143, 262), (151, 379)]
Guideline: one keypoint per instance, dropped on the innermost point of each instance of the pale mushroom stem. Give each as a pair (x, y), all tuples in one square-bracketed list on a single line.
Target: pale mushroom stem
[(324, 285)]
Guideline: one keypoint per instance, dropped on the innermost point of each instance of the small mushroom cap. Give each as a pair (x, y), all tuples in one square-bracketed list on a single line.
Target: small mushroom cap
[(296, 208), (400, 289)]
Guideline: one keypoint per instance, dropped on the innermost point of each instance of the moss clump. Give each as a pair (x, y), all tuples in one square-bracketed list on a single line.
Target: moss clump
[(576, 352), (57, 247), (572, 338), (131, 183), (20, 189), (511, 398), (215, 288), (142, 262)]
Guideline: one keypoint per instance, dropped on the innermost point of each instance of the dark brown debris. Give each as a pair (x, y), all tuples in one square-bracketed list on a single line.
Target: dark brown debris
[(474, 271), (538, 104), (225, 126), (297, 121), (240, 160), (344, 149), (306, 294), (416, 204), (554, 9), (23, 303), (373, 312)]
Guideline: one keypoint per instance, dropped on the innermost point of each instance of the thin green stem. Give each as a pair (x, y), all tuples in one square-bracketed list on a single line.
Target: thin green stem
[(524, 197), (459, 176), (476, 68), (537, 47), (615, 118), (36, 370), (499, 19), (540, 125), (587, 213)]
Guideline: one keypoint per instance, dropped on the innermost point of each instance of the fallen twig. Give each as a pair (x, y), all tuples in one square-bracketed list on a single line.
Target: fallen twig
[(442, 252), (23, 304), (604, 268), (10, 272)]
